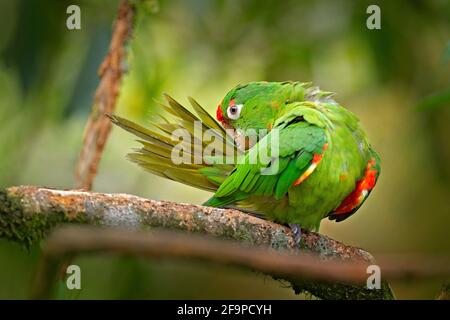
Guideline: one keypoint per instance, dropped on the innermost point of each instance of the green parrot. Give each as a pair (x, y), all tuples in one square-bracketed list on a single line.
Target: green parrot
[(324, 165)]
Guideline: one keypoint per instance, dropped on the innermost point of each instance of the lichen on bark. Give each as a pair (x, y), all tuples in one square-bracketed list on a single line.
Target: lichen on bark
[(27, 226), (28, 214)]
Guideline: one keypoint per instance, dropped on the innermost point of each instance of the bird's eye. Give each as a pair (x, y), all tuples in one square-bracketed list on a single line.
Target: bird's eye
[(234, 111)]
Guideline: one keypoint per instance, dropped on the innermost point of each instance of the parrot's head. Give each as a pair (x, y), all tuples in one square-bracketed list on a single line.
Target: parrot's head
[(250, 108)]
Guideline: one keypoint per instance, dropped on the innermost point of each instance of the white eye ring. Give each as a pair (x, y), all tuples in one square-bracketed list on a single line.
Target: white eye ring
[(234, 111)]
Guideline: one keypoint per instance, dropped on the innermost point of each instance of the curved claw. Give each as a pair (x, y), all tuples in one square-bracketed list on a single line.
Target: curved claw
[(296, 232)]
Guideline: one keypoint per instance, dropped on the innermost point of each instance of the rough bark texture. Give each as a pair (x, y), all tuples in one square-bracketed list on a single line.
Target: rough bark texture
[(110, 72), (28, 213), (32, 211)]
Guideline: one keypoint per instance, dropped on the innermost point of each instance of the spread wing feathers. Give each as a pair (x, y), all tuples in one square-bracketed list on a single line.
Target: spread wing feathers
[(158, 144), (298, 143)]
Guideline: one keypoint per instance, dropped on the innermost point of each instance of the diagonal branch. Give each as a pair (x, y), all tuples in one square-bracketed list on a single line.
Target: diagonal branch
[(28, 213), (110, 73)]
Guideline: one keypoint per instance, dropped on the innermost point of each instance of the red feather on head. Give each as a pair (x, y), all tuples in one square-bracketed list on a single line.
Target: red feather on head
[(219, 115)]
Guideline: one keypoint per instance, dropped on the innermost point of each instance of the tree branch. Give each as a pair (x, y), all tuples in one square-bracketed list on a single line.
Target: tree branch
[(110, 72), (74, 240), (28, 213), (32, 211)]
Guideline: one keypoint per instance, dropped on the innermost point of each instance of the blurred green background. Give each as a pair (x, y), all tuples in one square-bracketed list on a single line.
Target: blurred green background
[(397, 80)]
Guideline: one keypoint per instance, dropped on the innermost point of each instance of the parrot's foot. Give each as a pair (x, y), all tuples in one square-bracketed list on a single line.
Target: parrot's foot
[(296, 232)]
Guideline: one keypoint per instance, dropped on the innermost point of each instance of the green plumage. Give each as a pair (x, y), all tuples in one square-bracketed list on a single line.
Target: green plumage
[(323, 167)]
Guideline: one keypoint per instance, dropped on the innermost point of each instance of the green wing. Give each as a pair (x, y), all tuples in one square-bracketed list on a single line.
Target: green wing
[(298, 143)]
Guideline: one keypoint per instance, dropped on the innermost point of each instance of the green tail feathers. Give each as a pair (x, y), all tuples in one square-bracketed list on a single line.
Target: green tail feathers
[(157, 150)]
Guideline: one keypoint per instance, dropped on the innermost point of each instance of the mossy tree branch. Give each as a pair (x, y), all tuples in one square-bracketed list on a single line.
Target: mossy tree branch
[(28, 213)]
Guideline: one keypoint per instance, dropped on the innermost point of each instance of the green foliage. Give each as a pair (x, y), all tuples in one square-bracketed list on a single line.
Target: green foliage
[(436, 100)]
